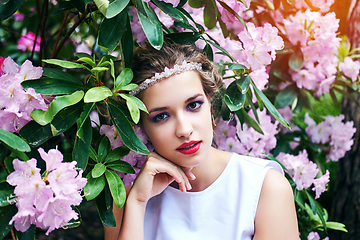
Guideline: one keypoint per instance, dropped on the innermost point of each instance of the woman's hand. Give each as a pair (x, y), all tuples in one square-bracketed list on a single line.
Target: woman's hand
[(156, 174)]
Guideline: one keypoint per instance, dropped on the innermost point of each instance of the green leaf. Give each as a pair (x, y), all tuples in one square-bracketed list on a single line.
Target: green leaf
[(87, 60), (270, 107), (66, 118), (7, 10), (296, 59), (171, 11), (243, 83), (102, 5), (208, 52), (117, 188), (98, 170), (83, 55), (65, 64), (286, 96), (104, 148), (116, 154), (210, 14), (115, 7), (196, 3), (88, 108), (112, 30), (7, 197), (125, 129), (6, 213), (150, 24), (97, 94), (62, 7), (14, 141), (234, 99), (127, 44), (104, 204), (336, 226), (183, 37), (124, 78), (249, 120), (134, 104), (59, 74), (53, 86), (44, 117), (121, 166), (345, 93), (94, 186), (35, 134), (81, 150), (93, 155), (128, 87)]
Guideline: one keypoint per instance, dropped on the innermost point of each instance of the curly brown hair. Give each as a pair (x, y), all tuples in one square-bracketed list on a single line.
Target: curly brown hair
[(147, 61)]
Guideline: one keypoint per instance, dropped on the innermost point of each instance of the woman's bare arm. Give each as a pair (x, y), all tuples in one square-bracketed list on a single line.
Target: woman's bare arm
[(156, 174), (276, 215)]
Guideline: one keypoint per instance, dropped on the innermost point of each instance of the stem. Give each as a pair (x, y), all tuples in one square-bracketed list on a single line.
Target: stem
[(60, 30), (43, 24), (39, 9), (13, 234), (67, 35)]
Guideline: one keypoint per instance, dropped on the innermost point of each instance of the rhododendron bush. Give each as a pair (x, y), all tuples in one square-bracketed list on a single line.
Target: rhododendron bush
[(65, 138)]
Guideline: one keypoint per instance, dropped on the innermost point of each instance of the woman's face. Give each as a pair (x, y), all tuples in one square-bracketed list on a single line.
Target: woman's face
[(179, 120)]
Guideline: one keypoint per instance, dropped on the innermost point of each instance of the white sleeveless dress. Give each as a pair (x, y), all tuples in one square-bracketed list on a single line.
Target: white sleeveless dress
[(223, 211)]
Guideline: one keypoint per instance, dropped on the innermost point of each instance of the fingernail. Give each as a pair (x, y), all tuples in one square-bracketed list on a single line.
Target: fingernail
[(192, 176), (188, 186)]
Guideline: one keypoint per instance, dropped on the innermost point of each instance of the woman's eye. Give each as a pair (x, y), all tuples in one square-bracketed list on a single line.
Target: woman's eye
[(160, 117), (194, 105)]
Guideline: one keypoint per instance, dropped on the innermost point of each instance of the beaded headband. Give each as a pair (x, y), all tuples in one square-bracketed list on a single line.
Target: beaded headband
[(168, 72)]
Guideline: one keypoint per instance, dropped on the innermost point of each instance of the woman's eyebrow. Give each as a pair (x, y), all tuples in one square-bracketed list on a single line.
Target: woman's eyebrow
[(193, 97), (158, 109)]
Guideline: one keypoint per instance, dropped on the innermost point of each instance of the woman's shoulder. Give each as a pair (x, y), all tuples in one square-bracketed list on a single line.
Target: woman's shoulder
[(256, 163)]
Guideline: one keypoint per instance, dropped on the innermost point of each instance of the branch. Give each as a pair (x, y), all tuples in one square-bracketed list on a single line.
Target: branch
[(67, 35), (59, 34)]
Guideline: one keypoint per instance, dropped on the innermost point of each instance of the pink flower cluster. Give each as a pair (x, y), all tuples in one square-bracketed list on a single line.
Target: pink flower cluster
[(324, 5), (251, 142), (46, 201), (315, 236), (232, 23), (304, 172), (334, 135), (133, 158), (256, 49), (316, 35), (350, 68), (26, 42), (16, 103)]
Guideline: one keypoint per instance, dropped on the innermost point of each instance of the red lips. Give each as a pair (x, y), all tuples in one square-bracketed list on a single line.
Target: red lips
[(189, 147)]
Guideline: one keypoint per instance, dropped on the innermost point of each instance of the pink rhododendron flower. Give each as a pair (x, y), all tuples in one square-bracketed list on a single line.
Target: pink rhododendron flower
[(16, 103), (2, 66), (18, 16), (26, 42), (319, 44), (251, 142), (320, 184), (323, 5), (313, 236), (232, 23), (45, 202), (350, 68), (302, 170), (335, 135)]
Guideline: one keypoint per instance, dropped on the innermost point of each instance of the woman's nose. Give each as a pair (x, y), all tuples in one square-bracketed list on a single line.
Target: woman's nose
[(183, 127)]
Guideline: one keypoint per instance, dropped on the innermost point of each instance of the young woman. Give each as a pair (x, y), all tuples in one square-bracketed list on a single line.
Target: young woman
[(187, 189)]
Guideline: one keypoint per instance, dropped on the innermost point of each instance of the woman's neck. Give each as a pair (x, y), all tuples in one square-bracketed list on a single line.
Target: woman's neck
[(210, 169)]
